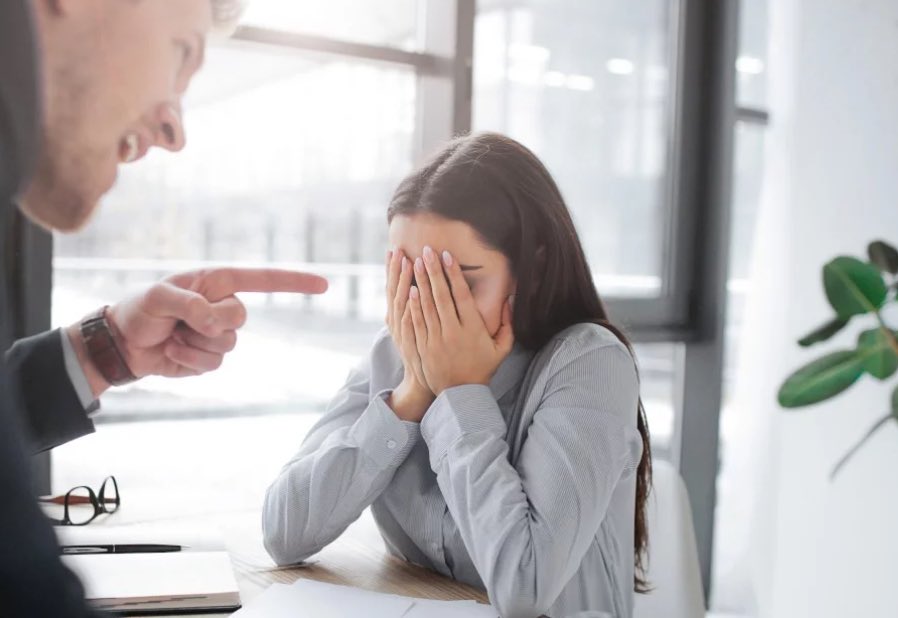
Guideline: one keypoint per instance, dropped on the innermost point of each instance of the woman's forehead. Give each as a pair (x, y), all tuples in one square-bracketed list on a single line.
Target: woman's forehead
[(413, 232)]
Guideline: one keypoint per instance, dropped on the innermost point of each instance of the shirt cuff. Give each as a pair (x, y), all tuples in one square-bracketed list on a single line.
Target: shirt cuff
[(458, 412), (77, 375), (382, 435)]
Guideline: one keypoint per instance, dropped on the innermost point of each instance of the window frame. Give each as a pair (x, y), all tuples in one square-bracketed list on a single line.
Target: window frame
[(692, 305)]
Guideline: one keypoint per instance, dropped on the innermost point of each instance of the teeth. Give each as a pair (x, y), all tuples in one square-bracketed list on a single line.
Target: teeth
[(132, 142)]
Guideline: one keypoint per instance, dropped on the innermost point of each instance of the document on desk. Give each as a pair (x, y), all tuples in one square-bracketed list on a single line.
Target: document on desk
[(193, 538), (310, 598), (151, 583)]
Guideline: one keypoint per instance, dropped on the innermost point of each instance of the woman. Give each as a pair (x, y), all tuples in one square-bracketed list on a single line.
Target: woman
[(495, 429)]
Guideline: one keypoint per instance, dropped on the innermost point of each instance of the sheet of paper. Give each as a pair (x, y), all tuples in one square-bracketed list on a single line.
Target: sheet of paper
[(322, 601), (450, 609), (310, 598), (192, 538), (124, 576)]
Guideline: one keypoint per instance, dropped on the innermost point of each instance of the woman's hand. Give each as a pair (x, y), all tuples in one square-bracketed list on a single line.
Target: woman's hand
[(453, 342), (413, 396)]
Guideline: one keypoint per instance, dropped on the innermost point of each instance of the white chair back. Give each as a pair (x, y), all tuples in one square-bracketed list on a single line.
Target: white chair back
[(673, 569)]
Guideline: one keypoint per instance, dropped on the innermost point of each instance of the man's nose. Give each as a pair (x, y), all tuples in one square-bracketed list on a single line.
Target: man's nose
[(169, 129)]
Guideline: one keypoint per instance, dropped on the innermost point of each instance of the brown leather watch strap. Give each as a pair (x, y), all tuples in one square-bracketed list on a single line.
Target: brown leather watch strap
[(101, 340)]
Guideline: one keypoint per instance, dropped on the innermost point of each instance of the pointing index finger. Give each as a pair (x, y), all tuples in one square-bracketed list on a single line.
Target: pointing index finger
[(219, 283)]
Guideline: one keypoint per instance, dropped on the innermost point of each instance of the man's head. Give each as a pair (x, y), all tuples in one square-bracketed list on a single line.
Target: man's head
[(114, 72)]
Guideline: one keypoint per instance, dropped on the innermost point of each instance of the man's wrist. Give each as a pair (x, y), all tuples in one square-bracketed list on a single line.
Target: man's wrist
[(96, 381)]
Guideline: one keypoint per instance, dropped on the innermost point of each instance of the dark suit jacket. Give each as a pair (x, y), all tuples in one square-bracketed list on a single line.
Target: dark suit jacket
[(38, 405)]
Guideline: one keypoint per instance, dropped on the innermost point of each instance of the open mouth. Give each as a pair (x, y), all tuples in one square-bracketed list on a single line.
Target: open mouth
[(130, 148)]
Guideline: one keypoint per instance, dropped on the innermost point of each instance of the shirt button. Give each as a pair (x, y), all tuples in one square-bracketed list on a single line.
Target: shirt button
[(435, 547), (391, 444)]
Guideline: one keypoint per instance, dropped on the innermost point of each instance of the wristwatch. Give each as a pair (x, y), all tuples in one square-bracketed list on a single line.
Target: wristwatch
[(102, 341)]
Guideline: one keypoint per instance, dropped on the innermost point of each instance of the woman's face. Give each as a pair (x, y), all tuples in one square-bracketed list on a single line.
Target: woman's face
[(486, 270)]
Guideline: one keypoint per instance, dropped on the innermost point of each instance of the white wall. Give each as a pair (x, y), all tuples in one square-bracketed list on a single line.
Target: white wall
[(822, 549)]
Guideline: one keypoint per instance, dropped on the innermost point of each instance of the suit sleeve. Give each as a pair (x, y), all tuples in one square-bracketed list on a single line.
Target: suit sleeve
[(33, 580), (53, 412)]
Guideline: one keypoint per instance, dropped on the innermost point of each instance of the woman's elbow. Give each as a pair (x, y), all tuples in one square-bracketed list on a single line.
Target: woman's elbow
[(517, 598), (519, 607), (281, 537)]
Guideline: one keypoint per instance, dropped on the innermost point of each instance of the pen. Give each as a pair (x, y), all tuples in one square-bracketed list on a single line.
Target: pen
[(118, 549)]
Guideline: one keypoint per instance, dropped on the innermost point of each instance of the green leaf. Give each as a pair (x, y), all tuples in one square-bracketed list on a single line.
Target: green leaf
[(853, 287), (824, 378), (877, 354), (884, 256), (823, 333)]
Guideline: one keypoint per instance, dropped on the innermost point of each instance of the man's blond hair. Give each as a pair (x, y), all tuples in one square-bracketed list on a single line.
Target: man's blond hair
[(226, 13)]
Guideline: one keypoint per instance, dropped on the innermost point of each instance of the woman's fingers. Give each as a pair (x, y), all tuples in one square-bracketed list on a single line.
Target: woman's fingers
[(461, 292), (400, 298), (505, 336), (442, 296), (426, 301), (392, 282), (410, 343), (422, 335), (411, 352), (392, 273)]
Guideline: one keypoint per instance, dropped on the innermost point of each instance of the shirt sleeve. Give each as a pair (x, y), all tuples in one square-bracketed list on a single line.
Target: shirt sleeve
[(344, 464), (77, 376), (528, 526)]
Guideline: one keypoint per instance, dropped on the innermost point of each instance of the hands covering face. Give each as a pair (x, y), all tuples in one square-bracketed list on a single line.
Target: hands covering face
[(436, 325)]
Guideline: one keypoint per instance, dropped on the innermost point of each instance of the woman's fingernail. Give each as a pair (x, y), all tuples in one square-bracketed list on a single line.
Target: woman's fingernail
[(428, 254), (404, 264), (419, 265), (389, 255), (447, 258), (413, 293)]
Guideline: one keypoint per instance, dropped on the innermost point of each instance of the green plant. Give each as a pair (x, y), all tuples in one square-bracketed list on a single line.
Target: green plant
[(854, 288)]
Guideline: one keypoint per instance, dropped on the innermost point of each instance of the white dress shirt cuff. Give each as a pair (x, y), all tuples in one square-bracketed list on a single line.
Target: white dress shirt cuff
[(77, 375), (382, 435)]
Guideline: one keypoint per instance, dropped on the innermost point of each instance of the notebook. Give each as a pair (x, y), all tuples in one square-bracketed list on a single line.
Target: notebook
[(147, 584)]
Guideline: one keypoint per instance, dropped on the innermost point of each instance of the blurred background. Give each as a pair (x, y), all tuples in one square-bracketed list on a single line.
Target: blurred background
[(713, 158)]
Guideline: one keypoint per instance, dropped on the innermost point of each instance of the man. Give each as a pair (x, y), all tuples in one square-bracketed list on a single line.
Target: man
[(104, 88)]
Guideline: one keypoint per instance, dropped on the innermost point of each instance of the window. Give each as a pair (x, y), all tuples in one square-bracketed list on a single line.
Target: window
[(586, 86), (299, 129), (736, 480), (273, 173), (391, 24)]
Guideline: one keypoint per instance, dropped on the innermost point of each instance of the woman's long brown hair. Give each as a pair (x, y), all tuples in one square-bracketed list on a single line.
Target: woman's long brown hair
[(504, 192)]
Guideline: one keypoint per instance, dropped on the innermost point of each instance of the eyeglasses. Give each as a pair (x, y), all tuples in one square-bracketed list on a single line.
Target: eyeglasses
[(77, 500)]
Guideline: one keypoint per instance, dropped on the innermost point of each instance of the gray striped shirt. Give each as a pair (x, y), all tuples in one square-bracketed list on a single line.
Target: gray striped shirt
[(525, 488)]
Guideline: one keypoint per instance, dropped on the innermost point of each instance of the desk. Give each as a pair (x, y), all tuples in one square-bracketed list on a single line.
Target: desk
[(225, 492), (357, 558)]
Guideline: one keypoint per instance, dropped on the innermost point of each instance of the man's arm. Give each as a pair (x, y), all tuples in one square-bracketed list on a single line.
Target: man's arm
[(53, 412), (33, 581)]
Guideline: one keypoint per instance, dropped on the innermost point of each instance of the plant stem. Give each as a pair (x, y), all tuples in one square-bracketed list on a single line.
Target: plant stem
[(890, 335), (857, 446)]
